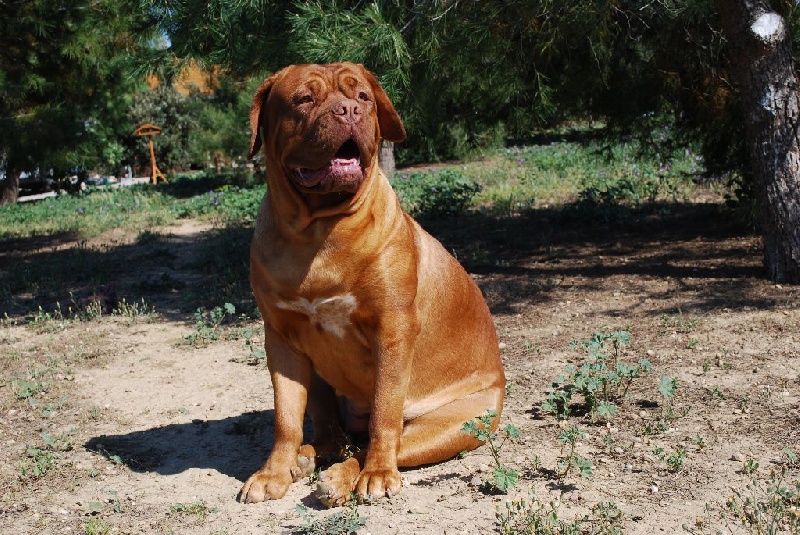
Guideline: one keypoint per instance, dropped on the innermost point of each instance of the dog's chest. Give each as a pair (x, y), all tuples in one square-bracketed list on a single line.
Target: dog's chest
[(331, 314)]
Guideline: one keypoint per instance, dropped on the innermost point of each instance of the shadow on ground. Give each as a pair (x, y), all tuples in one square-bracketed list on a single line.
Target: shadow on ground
[(236, 446), (698, 247)]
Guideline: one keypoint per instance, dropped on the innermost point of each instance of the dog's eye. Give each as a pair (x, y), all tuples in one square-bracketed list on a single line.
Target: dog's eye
[(304, 99), (363, 96)]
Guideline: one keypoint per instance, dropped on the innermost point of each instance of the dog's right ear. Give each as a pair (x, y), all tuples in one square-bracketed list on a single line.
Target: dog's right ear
[(259, 100)]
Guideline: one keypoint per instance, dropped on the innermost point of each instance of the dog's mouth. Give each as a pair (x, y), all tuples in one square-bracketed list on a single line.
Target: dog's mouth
[(342, 173)]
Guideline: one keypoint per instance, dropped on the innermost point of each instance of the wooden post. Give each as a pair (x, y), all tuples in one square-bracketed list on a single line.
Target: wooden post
[(151, 130)]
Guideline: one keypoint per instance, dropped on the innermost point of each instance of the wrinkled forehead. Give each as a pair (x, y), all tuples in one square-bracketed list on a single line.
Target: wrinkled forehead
[(320, 78)]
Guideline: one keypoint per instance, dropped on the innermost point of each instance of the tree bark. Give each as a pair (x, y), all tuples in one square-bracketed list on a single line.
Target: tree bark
[(386, 158), (763, 68), (10, 186)]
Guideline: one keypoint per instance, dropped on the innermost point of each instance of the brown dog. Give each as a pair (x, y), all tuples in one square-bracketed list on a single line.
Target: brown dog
[(371, 326)]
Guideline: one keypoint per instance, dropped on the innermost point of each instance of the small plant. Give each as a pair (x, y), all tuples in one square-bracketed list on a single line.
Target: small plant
[(767, 507), (134, 312), (524, 517), (674, 461), (678, 324), (27, 389), (96, 526), (38, 462), (49, 322), (566, 463), (603, 380), (256, 353), (207, 323), (504, 477), (750, 467), (344, 522), (199, 510)]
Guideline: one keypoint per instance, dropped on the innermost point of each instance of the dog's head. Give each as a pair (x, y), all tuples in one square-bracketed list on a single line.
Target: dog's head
[(322, 125)]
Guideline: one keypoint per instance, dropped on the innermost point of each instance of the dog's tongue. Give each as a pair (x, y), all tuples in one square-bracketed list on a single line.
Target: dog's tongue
[(337, 169)]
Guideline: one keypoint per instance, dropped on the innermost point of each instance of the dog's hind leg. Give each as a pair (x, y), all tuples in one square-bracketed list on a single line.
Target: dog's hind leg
[(437, 435), (429, 438)]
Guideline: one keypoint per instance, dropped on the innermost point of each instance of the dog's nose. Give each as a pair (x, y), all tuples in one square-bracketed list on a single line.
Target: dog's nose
[(348, 111)]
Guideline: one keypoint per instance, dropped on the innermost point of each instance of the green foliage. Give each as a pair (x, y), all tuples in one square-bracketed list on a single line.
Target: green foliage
[(603, 380), (435, 194), (504, 478), (571, 460), (343, 522), (523, 517), (199, 510), (96, 526), (230, 204), (40, 460), (208, 323), (674, 460), (63, 89), (766, 506), (165, 107)]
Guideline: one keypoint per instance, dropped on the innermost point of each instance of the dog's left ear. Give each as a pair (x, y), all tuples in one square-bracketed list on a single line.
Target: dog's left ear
[(259, 100), (389, 122)]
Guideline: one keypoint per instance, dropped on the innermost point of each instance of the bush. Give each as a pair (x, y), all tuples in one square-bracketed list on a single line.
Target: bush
[(435, 194)]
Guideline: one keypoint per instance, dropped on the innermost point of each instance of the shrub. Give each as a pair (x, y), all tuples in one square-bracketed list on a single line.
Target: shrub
[(435, 193)]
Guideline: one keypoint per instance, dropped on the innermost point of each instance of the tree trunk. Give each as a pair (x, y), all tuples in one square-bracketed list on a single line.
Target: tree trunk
[(10, 186), (763, 67), (386, 158)]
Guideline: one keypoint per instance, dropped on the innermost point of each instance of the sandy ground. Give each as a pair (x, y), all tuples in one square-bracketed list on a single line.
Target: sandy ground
[(148, 433)]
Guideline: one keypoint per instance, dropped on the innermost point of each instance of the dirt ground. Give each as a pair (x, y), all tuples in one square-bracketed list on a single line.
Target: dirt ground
[(148, 432)]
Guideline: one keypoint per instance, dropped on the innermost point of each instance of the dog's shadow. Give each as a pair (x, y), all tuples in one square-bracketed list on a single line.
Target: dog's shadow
[(235, 446)]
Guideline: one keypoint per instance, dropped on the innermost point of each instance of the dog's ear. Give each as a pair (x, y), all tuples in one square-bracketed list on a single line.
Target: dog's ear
[(259, 100), (389, 122)]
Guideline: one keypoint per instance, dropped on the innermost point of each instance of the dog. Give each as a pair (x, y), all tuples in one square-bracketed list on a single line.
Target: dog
[(371, 327)]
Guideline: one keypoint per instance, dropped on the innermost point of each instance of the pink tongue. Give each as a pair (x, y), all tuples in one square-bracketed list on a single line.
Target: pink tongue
[(309, 177)]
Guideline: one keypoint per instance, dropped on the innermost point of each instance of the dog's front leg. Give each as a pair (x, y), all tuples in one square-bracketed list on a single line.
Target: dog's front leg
[(379, 475), (291, 375)]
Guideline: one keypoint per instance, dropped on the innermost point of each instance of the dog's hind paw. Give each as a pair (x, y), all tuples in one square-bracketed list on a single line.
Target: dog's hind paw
[(306, 463)]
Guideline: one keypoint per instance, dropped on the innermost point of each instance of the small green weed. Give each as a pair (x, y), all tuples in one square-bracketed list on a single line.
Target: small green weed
[(566, 463), (96, 526), (27, 389), (531, 517), (343, 522), (667, 386), (207, 323), (40, 460), (603, 380), (504, 477), (199, 510), (767, 506), (134, 312), (674, 460), (678, 324)]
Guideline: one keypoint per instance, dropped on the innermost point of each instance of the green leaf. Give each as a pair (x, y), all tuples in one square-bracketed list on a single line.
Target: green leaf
[(606, 409), (512, 431), (505, 478), (667, 386)]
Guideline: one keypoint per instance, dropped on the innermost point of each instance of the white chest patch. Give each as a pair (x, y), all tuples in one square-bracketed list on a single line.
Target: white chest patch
[(332, 314)]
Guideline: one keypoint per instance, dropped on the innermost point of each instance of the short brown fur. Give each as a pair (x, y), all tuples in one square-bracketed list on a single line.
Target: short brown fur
[(367, 317)]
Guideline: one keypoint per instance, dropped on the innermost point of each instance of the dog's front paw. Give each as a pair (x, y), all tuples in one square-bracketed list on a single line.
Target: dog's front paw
[(337, 482), (265, 485), (374, 484)]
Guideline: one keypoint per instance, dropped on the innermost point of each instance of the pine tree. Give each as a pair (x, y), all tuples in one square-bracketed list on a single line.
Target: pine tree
[(63, 84)]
